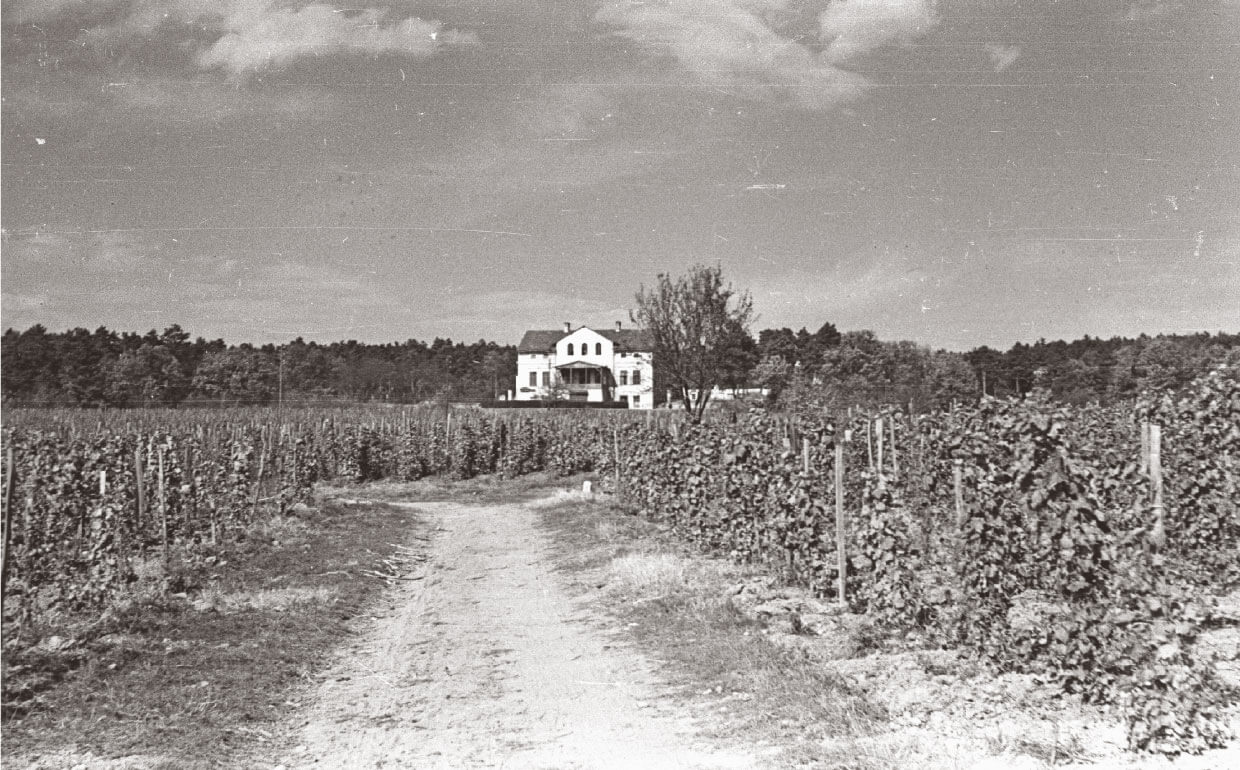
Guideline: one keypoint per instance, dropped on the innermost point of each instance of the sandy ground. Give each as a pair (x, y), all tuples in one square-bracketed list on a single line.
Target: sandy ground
[(483, 660)]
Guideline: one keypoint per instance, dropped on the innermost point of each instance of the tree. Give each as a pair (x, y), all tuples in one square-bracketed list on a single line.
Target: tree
[(773, 373), (150, 376), (696, 322), (950, 378), (241, 374)]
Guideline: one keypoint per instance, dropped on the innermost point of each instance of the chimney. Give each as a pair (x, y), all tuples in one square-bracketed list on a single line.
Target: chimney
[(568, 327), (617, 326)]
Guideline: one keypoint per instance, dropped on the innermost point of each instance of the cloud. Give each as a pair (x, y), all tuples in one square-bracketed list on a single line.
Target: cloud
[(858, 26), (1002, 56), (241, 37), (758, 46), (61, 254), (261, 37)]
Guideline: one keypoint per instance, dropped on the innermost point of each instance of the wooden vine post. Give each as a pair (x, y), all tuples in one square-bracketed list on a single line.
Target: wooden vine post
[(10, 477), (258, 483), (1158, 535), (895, 460), (1145, 448), (958, 487), (615, 457), (869, 443), (878, 428), (805, 455), (137, 473), (189, 481), (841, 556), (163, 507)]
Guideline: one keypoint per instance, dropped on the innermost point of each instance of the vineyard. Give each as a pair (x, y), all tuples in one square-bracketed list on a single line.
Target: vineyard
[(1077, 543)]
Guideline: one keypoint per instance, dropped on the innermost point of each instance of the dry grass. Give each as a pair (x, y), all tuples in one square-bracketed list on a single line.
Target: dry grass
[(561, 498), (215, 599), (676, 608), (204, 658), (648, 576)]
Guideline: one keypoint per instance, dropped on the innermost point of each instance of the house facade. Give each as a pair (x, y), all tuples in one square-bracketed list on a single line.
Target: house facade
[(586, 364)]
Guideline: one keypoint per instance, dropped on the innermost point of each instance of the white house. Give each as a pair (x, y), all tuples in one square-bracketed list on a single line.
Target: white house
[(586, 365)]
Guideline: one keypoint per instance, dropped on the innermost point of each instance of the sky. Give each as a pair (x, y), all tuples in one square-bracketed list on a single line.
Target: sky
[(954, 172)]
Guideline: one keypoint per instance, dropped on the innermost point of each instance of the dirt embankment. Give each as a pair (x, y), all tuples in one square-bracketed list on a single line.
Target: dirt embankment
[(481, 659)]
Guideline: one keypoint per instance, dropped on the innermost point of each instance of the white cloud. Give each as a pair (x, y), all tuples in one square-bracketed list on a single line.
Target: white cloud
[(749, 44), (244, 36), (1002, 56), (259, 36), (858, 26)]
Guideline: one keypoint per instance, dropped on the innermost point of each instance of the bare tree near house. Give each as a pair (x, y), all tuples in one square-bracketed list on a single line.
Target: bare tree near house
[(697, 324)]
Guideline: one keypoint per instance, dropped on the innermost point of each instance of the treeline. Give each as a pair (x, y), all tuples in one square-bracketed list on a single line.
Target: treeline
[(825, 368), (106, 368)]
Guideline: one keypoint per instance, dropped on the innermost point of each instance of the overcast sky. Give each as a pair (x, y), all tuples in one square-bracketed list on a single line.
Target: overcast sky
[(959, 172)]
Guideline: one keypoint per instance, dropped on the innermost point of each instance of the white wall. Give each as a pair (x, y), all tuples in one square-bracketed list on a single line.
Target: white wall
[(590, 339), (608, 357), (539, 364), (644, 393)]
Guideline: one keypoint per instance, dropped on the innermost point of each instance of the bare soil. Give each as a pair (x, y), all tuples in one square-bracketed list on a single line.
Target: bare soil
[(483, 659)]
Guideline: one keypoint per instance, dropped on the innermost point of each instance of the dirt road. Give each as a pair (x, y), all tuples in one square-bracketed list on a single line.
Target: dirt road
[(486, 661)]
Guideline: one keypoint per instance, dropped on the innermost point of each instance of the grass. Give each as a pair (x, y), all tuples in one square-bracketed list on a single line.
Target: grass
[(196, 678), (676, 607)]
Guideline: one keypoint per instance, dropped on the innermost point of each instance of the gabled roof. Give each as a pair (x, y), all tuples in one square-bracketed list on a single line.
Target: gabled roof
[(540, 341), (628, 340), (625, 340)]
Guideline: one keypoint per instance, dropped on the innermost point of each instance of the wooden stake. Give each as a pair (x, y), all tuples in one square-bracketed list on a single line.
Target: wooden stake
[(615, 450), (1145, 449), (163, 507), (1158, 535), (895, 460), (137, 472), (188, 479), (878, 426), (258, 483), (958, 486), (841, 556), (10, 476), (805, 455), (869, 445)]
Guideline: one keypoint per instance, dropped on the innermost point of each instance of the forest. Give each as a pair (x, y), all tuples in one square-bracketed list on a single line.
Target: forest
[(102, 368)]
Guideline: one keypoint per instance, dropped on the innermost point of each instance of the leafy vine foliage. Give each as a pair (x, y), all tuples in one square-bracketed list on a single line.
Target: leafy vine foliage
[(1053, 564), (1047, 556), (87, 502)]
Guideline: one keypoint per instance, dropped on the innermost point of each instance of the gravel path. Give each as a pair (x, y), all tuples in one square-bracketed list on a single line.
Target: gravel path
[(485, 661)]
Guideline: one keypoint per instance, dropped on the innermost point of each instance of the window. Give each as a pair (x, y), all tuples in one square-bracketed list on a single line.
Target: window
[(637, 400), (533, 379), (624, 378), (570, 348), (546, 379), (598, 348), (637, 376)]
